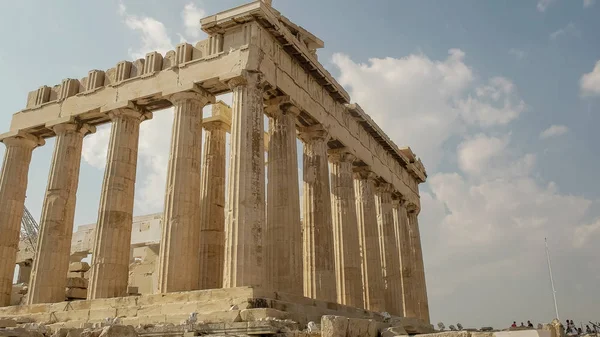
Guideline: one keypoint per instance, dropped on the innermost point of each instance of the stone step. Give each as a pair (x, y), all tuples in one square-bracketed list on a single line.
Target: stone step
[(177, 319), (8, 323)]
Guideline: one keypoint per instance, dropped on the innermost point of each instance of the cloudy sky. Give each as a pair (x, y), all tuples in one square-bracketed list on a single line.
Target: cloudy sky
[(500, 99)]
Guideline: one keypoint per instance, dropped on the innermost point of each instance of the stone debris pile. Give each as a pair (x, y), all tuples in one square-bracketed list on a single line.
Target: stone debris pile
[(260, 322), (77, 281)]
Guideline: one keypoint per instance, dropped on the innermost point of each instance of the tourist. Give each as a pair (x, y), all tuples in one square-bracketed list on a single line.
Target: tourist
[(514, 325), (587, 329), (522, 325), (529, 324)]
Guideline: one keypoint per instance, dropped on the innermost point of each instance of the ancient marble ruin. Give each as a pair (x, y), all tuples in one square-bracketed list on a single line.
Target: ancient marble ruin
[(348, 243)]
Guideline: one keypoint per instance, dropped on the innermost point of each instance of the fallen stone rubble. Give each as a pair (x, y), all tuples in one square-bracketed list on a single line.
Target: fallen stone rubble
[(262, 322)]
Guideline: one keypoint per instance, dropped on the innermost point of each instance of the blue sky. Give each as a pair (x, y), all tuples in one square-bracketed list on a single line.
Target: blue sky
[(499, 98)]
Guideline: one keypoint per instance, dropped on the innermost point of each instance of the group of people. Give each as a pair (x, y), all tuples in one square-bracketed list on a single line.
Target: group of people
[(572, 330), (529, 325)]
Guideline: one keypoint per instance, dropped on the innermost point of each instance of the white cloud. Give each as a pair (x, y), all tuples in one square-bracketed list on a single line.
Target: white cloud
[(568, 30), (436, 98), (95, 147), (394, 91), (554, 131), (191, 20), (590, 82), (121, 9), (154, 35), (494, 104), (517, 53), (490, 208), (475, 154), (588, 3), (585, 233), (490, 157), (542, 5)]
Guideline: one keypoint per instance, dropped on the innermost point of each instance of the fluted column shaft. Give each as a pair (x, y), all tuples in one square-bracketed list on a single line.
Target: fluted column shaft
[(212, 206), (421, 288), (319, 265), (179, 255), (51, 263), (390, 254), (13, 185), (284, 231), (406, 259), (111, 252), (245, 215), (345, 230), (373, 287)]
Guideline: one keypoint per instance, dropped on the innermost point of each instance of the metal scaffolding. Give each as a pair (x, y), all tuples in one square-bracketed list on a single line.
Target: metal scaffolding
[(29, 229)]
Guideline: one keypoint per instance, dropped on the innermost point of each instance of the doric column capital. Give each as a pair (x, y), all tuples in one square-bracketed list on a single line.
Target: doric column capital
[(413, 208), (83, 128), (281, 105), (216, 125), (22, 139), (398, 201), (132, 113), (364, 173), (385, 188), (246, 79), (340, 155), (312, 133), (200, 95)]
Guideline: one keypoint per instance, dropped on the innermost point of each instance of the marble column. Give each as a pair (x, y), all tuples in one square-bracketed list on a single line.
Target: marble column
[(112, 242), (390, 254), (421, 288), (345, 230), (373, 287), (179, 256), (406, 258), (212, 206), (319, 265), (284, 231), (51, 262), (13, 185), (245, 214)]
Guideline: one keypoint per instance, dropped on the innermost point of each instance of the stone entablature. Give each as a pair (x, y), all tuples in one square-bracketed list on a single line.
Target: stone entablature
[(252, 37)]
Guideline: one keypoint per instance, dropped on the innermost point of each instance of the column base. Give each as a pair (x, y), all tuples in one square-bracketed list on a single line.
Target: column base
[(243, 310)]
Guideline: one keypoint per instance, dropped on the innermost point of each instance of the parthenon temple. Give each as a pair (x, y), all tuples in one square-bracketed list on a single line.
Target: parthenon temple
[(349, 240)]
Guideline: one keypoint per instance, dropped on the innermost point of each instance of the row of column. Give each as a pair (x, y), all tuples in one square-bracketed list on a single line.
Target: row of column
[(357, 245)]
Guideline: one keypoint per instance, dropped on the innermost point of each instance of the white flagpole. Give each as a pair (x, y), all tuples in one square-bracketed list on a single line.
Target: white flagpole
[(551, 279)]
